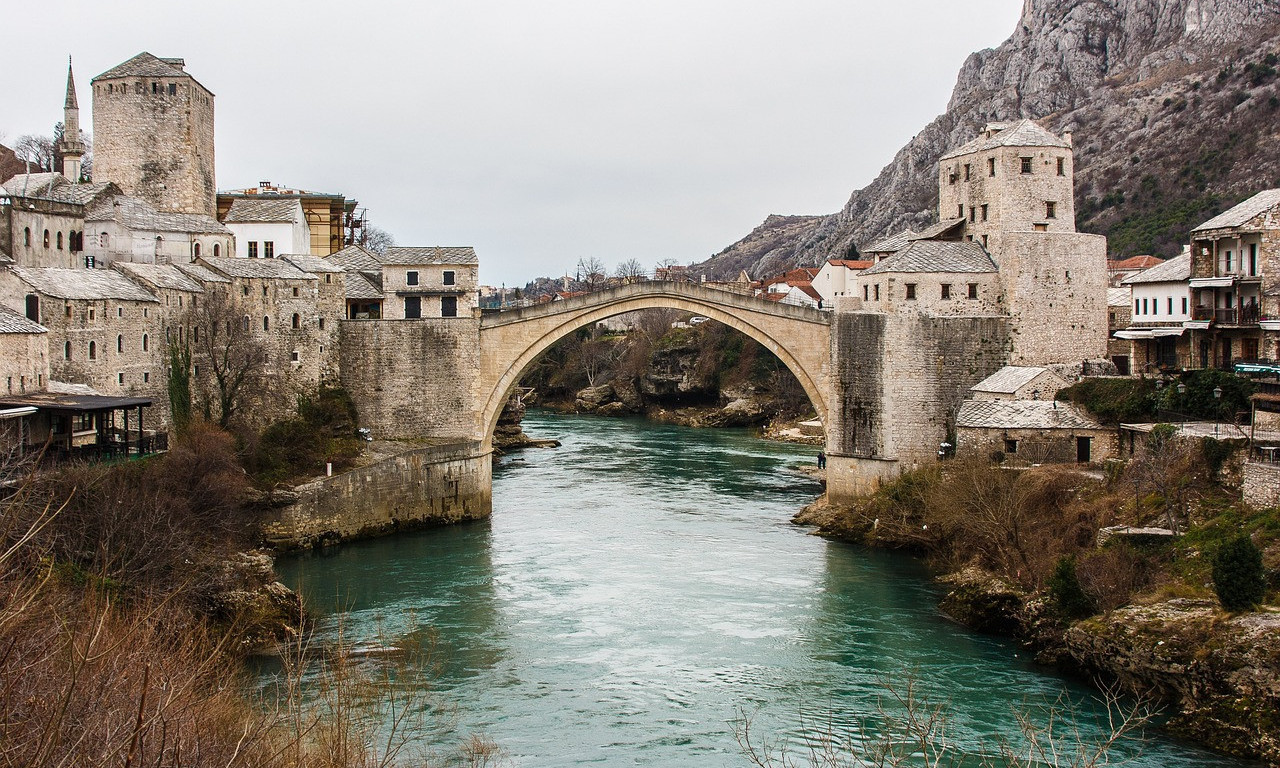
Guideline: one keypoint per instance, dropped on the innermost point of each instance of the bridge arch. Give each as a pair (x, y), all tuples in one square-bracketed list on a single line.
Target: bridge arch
[(511, 341)]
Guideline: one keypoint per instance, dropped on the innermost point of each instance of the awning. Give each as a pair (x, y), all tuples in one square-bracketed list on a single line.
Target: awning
[(1212, 282), (1149, 333), (1168, 331), (1141, 333), (1196, 325)]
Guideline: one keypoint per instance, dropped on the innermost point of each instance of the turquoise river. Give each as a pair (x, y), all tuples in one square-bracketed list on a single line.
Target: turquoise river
[(640, 589)]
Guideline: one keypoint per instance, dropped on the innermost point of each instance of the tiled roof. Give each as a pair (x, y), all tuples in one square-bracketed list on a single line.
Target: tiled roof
[(891, 243), (1242, 213), (201, 273), (267, 210), (936, 256), (88, 284), (360, 285), (850, 263), (145, 65), (936, 230), (1119, 297), (256, 268), (1024, 133), (1008, 379), (135, 214), (1135, 262), (354, 257), (1023, 414), (56, 187), (1174, 270), (308, 263), (13, 322), (437, 255), (159, 275)]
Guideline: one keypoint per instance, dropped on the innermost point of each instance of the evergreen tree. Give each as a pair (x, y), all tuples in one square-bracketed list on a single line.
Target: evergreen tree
[(1064, 588), (1238, 577)]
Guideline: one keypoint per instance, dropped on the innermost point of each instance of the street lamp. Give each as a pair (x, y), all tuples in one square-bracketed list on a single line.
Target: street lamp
[(1217, 409)]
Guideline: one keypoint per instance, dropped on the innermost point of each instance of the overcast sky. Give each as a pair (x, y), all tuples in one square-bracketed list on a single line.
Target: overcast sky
[(538, 132)]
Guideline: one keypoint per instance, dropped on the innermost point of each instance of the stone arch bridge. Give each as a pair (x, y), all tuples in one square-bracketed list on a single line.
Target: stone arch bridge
[(511, 341)]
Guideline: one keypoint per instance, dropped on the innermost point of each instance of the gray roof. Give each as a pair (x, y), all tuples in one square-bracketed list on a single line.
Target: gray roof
[(410, 257), (263, 210), (308, 263), (936, 256), (146, 65), (136, 214), (890, 243), (1119, 297), (1175, 270), (935, 230), (362, 285), (1242, 213), (86, 284), (1024, 133), (165, 276), (1009, 379), (201, 273), (355, 257), (56, 187), (256, 268), (13, 322), (1023, 414)]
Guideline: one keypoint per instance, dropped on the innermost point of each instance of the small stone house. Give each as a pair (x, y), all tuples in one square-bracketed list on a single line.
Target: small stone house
[(932, 277), (429, 282), (1032, 431), (1014, 382)]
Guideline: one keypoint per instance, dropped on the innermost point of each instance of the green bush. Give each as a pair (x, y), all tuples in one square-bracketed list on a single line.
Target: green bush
[(1115, 401), (1238, 576), (1066, 592)]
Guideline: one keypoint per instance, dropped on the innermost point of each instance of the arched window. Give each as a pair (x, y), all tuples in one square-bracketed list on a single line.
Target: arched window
[(120, 344), (66, 351), (266, 324), (93, 350), (59, 241), (26, 236), (216, 250), (145, 346), (297, 321), (246, 322), (104, 240), (196, 249), (46, 238)]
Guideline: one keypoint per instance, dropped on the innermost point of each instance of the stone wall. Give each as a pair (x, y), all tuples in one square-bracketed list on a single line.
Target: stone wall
[(1038, 446), (24, 362), (1261, 485), (1056, 295), (413, 379), (431, 485)]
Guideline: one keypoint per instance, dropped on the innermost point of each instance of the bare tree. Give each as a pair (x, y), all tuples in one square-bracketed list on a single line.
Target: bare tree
[(590, 273), (376, 239), (630, 271), (36, 150), (224, 343)]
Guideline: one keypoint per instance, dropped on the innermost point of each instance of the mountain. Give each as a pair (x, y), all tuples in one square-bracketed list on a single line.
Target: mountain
[(1174, 106)]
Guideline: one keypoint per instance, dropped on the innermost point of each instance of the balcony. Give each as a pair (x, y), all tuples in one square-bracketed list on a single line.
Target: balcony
[(1246, 315)]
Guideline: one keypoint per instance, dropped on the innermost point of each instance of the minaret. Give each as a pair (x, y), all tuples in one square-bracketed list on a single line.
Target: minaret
[(71, 147)]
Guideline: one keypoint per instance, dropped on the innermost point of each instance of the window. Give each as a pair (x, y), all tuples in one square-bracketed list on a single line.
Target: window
[(92, 313), (264, 291), (155, 87), (1026, 165), (297, 321), (328, 278), (93, 350), (216, 250), (33, 307), (973, 290), (959, 211), (266, 323), (1184, 305), (195, 249), (1050, 210), (66, 351), (146, 377), (68, 309), (413, 307), (911, 291), (866, 293), (448, 306), (984, 211), (1170, 305), (991, 166), (449, 277), (411, 277), (973, 214), (244, 322), (120, 344), (244, 290), (46, 238), (253, 249), (946, 290), (1062, 166), (966, 171), (119, 311), (1135, 307), (1228, 261), (145, 347), (295, 357), (1253, 259), (322, 323), (877, 291), (268, 249), (1144, 306), (984, 241), (120, 377), (1010, 446), (295, 291), (26, 237), (173, 89)]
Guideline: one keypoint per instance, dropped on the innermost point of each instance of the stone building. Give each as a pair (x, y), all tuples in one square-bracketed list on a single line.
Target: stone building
[(42, 219), (363, 276), (124, 228), (267, 227), (1014, 382), (1159, 308), (332, 219), (1033, 432), (933, 277), (835, 278), (1119, 314), (429, 282), (1235, 283), (24, 353), (153, 134)]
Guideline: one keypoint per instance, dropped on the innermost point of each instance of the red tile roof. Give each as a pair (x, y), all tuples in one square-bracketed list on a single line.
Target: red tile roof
[(1135, 262)]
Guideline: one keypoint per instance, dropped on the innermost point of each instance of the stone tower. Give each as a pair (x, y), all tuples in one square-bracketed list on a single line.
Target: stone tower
[(153, 134), (71, 147)]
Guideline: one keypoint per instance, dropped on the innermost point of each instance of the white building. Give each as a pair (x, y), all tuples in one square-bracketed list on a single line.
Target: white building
[(1161, 299), (836, 278), (268, 227)]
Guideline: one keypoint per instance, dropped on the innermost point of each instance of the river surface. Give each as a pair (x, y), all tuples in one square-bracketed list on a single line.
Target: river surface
[(640, 589)]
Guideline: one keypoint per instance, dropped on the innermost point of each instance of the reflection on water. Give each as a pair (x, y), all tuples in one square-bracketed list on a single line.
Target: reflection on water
[(639, 588)]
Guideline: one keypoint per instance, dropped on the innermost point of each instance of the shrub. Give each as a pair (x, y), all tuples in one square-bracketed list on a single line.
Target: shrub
[(1066, 592), (1238, 576)]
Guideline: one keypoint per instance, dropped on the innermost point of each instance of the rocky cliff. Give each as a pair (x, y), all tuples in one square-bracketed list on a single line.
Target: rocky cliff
[(1173, 103)]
